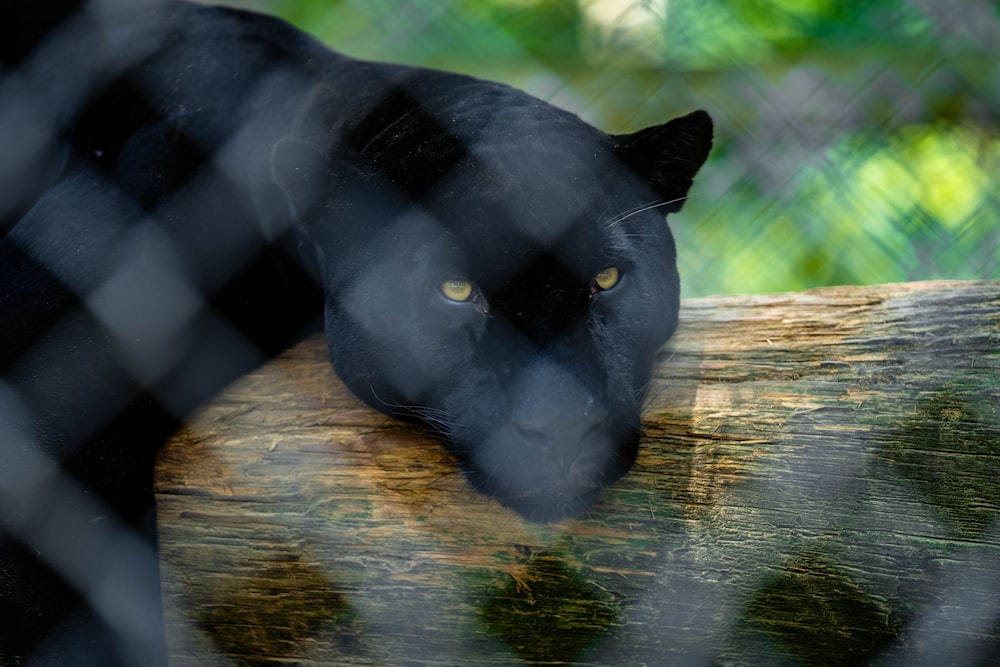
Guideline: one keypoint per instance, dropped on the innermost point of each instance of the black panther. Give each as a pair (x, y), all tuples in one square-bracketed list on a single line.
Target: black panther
[(190, 189)]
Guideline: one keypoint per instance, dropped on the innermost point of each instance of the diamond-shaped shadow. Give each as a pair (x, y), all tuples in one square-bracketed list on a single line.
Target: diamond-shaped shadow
[(549, 614), (949, 450), (819, 616), (275, 610)]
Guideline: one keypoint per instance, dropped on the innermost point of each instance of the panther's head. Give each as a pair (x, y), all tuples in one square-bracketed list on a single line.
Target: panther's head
[(502, 271)]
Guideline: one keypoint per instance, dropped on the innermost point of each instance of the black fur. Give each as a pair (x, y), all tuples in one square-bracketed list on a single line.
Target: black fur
[(191, 189)]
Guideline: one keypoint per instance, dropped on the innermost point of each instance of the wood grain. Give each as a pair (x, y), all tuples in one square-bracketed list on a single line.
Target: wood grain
[(819, 483)]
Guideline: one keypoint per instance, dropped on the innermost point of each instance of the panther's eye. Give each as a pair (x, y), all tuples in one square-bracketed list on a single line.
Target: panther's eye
[(605, 280), (457, 290)]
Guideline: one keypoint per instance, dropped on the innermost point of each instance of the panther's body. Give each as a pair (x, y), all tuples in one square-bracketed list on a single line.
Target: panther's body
[(218, 182)]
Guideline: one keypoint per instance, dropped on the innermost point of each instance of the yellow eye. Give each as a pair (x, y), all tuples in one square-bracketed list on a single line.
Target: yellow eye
[(606, 279), (457, 290)]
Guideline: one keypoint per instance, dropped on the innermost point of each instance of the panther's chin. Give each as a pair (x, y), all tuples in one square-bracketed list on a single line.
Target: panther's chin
[(547, 507), (549, 481)]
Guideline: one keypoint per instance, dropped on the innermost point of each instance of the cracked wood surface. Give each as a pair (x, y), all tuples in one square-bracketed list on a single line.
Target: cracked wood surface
[(818, 483)]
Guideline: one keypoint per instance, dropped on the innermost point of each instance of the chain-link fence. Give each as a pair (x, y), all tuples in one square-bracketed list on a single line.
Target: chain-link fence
[(854, 144)]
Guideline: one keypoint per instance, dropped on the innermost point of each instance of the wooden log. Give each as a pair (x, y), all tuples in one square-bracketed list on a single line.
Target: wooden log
[(819, 483)]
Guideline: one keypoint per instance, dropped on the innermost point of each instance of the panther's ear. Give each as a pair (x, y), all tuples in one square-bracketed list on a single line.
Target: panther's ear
[(669, 155)]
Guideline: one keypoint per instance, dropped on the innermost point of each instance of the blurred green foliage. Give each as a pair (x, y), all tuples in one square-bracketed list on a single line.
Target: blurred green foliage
[(857, 142)]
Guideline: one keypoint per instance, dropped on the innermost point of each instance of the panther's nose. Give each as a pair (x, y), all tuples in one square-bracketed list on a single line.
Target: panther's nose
[(555, 425), (561, 433)]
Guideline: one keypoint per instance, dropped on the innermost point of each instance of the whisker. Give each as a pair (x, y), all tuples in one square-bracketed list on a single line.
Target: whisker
[(647, 395), (438, 421), (642, 209)]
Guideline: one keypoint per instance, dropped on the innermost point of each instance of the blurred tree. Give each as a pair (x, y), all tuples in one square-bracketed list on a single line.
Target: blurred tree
[(857, 142)]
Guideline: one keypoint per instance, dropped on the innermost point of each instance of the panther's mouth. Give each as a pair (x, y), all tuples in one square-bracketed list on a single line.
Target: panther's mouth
[(552, 480), (551, 505)]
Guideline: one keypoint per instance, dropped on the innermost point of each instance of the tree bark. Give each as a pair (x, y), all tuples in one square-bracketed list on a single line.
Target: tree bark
[(819, 483)]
